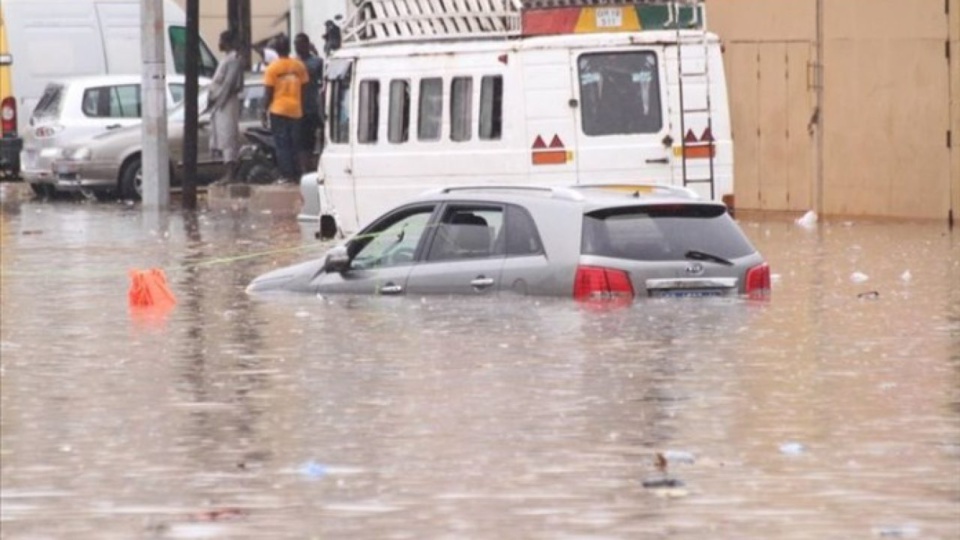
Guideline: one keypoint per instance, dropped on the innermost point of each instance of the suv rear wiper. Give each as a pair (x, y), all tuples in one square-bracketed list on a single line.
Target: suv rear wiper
[(703, 256)]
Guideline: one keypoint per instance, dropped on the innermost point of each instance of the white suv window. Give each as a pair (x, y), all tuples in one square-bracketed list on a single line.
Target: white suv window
[(393, 241), (112, 101), (467, 232)]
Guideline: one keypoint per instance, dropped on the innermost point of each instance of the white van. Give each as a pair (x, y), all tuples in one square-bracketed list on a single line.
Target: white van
[(631, 91), (57, 39)]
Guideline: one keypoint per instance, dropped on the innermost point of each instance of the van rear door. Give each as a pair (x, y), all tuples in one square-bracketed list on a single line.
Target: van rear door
[(622, 118)]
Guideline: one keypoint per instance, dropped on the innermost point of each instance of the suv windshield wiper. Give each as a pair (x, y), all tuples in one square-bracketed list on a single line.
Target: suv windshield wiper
[(703, 256)]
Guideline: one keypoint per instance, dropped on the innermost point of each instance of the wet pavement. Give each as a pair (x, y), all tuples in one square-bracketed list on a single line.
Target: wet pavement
[(830, 412)]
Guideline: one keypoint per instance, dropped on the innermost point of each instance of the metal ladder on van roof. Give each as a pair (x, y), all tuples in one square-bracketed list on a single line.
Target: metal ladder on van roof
[(383, 21), (392, 21), (695, 144)]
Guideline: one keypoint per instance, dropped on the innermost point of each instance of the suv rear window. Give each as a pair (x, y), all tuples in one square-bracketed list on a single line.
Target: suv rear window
[(662, 232), (49, 104)]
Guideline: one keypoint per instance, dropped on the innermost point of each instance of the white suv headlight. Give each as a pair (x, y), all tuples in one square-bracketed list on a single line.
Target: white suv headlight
[(81, 154)]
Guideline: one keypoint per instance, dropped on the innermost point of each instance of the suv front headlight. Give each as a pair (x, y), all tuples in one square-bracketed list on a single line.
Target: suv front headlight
[(81, 154)]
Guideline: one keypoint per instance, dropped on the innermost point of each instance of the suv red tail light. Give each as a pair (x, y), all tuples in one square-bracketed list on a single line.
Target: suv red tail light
[(758, 281), (8, 116), (595, 282)]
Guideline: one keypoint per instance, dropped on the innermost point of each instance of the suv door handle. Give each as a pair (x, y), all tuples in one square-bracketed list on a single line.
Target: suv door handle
[(662, 161), (481, 282), (390, 288), (114, 126)]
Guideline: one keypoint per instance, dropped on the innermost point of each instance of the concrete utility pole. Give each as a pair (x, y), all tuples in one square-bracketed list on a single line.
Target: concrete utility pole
[(296, 17), (191, 106), (155, 163)]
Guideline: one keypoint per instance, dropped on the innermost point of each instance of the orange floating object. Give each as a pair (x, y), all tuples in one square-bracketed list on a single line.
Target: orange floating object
[(148, 288)]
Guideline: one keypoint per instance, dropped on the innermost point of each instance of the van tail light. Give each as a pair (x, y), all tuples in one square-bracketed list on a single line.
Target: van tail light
[(595, 282), (8, 116), (758, 281)]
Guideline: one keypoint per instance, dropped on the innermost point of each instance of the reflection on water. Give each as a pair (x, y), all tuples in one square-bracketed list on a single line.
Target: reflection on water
[(825, 413)]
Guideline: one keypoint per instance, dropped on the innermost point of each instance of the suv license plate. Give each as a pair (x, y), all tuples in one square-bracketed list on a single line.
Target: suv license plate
[(686, 293)]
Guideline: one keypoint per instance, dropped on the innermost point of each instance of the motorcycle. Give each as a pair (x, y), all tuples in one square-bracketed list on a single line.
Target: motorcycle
[(257, 160)]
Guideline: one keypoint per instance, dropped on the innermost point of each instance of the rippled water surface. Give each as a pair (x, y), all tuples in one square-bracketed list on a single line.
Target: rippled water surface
[(830, 412)]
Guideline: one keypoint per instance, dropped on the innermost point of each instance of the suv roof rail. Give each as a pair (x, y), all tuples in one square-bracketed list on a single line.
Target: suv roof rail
[(553, 191), (643, 188)]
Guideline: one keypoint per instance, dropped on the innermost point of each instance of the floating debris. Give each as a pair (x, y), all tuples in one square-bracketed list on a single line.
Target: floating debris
[(897, 531), (679, 456), (658, 483), (858, 277), (312, 469), (809, 220), (869, 295), (792, 448)]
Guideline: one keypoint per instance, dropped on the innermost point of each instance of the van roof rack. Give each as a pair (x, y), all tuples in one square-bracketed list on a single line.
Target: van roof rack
[(399, 21)]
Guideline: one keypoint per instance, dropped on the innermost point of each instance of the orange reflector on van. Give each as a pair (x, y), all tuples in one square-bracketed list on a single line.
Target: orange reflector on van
[(549, 157), (695, 152), (555, 154)]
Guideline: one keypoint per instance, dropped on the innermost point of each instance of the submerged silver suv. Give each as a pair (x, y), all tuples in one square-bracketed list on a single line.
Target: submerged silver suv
[(589, 241)]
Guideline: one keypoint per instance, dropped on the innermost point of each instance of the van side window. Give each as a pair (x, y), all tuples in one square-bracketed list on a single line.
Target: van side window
[(112, 101), (340, 110), (491, 107), (461, 108), (620, 93), (398, 129), (369, 112), (431, 109)]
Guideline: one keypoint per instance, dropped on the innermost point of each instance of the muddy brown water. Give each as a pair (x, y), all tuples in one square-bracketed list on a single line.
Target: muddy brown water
[(831, 411)]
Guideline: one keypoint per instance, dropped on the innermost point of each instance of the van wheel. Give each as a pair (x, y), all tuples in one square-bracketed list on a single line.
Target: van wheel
[(131, 180), (328, 227)]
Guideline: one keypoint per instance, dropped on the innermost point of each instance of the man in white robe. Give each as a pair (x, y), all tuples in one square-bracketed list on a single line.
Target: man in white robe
[(224, 104)]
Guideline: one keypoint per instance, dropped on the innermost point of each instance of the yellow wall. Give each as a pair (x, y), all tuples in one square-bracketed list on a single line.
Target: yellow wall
[(6, 88)]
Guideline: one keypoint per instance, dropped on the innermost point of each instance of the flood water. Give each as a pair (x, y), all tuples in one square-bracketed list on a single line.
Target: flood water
[(830, 412)]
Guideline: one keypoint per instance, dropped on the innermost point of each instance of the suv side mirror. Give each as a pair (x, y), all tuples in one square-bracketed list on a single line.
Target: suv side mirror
[(338, 260)]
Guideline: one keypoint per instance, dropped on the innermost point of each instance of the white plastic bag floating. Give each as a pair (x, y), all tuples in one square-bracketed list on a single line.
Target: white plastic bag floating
[(809, 220)]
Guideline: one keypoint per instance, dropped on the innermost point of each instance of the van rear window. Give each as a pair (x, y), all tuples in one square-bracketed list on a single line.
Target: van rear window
[(620, 93), (663, 232), (50, 101)]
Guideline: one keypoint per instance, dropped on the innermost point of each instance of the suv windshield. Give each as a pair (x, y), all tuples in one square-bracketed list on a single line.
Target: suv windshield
[(49, 104), (663, 232)]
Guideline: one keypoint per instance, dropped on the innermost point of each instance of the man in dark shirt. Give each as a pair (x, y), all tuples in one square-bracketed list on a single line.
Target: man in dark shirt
[(311, 124)]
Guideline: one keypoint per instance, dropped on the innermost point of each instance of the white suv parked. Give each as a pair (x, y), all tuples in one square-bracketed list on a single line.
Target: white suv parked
[(76, 108)]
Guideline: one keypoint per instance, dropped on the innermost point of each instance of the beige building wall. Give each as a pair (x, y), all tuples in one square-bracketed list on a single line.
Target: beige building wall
[(768, 49), (889, 97), (268, 17), (955, 100), (886, 109)]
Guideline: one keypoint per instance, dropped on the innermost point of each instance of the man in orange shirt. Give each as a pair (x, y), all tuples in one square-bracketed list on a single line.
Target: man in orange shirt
[(284, 80)]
